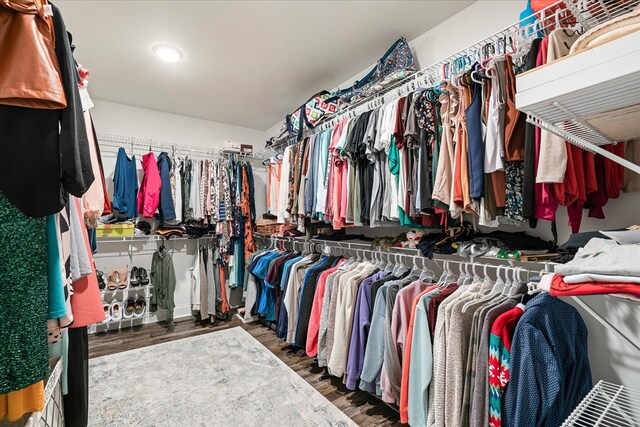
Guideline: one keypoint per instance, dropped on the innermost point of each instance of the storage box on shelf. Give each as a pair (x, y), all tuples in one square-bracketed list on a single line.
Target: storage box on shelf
[(115, 230)]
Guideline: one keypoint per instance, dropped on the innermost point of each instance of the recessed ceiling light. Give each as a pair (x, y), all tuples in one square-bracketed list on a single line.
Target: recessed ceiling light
[(167, 53)]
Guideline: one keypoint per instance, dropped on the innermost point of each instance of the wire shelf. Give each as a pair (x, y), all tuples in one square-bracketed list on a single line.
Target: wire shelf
[(148, 144), (607, 405)]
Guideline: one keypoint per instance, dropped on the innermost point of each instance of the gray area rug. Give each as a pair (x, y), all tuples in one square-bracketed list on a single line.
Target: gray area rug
[(225, 378)]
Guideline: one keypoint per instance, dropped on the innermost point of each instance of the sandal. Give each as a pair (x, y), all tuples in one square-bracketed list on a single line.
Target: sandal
[(116, 310), (101, 283), (124, 278), (144, 277), (129, 308), (140, 307), (107, 312), (134, 277), (112, 280)]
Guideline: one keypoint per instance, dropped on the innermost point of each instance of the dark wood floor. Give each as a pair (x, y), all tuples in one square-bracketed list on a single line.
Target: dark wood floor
[(363, 408)]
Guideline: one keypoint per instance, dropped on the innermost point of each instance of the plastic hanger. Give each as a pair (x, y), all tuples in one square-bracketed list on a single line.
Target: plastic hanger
[(427, 275), (416, 271)]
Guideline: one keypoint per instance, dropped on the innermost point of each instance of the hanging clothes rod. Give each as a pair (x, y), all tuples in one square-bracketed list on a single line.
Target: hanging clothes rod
[(148, 144), (508, 40), (443, 263)]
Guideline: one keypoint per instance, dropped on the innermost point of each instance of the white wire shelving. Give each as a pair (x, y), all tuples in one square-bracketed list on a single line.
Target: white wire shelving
[(607, 405)]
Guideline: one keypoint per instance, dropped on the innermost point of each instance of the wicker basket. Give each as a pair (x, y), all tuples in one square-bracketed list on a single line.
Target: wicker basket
[(266, 226)]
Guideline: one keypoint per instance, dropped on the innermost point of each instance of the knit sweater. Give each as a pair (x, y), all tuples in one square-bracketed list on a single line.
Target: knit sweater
[(499, 360)]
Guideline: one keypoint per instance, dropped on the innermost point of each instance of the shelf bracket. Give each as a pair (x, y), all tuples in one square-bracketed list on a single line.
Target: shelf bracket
[(582, 143)]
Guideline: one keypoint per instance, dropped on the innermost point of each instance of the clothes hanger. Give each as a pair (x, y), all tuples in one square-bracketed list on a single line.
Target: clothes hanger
[(415, 271), (518, 281), (426, 275), (442, 281), (532, 287)]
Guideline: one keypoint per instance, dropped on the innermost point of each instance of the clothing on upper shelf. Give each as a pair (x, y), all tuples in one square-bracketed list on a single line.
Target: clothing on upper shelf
[(441, 352)]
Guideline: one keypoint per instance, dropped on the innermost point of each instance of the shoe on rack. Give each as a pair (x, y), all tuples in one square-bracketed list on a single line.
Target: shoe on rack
[(116, 310), (124, 278), (101, 283), (140, 307), (107, 312), (112, 280), (134, 277), (129, 308), (144, 277)]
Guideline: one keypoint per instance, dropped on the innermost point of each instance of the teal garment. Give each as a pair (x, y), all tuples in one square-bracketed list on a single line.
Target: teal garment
[(24, 352), (163, 279), (60, 348), (57, 306), (406, 221), (394, 163), (420, 364)]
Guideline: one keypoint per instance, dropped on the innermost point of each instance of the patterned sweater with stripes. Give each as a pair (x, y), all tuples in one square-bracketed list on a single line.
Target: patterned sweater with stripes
[(499, 360)]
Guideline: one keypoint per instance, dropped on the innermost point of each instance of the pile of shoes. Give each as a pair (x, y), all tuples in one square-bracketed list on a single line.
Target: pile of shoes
[(134, 307), (120, 279)]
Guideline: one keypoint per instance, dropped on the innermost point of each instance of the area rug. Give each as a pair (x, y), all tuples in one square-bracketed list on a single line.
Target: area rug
[(223, 378)]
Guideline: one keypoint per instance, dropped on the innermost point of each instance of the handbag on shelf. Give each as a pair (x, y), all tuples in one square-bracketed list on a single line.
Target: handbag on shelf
[(320, 106), (395, 64)]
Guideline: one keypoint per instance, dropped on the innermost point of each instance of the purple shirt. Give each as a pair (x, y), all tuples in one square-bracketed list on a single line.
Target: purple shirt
[(359, 331)]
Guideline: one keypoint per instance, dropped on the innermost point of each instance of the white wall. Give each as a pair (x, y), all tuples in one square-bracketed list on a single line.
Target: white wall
[(126, 120), (611, 360)]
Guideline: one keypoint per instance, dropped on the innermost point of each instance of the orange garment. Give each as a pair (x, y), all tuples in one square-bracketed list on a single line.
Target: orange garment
[(406, 360), (245, 208), (86, 302), (30, 74), (514, 121), (277, 174), (15, 404), (465, 100), (499, 188), (223, 290)]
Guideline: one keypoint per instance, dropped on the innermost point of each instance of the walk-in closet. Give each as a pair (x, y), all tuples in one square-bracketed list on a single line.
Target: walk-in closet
[(320, 213)]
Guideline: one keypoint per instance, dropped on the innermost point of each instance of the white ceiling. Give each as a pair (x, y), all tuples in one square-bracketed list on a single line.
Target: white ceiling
[(246, 63)]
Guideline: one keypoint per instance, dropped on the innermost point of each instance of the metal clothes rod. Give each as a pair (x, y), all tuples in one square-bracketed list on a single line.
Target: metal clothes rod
[(148, 144), (444, 263), (507, 40)]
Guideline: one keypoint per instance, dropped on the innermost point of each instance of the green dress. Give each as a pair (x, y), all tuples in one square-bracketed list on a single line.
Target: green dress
[(24, 354)]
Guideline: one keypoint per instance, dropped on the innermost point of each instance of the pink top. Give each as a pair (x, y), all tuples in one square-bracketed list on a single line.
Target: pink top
[(93, 199), (149, 193), (86, 303), (316, 311), (400, 318)]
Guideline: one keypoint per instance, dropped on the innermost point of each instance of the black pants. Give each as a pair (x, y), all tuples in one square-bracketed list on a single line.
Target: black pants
[(76, 402)]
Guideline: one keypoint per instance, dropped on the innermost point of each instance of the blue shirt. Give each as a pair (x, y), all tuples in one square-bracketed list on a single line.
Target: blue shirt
[(550, 372), (283, 323), (319, 265)]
